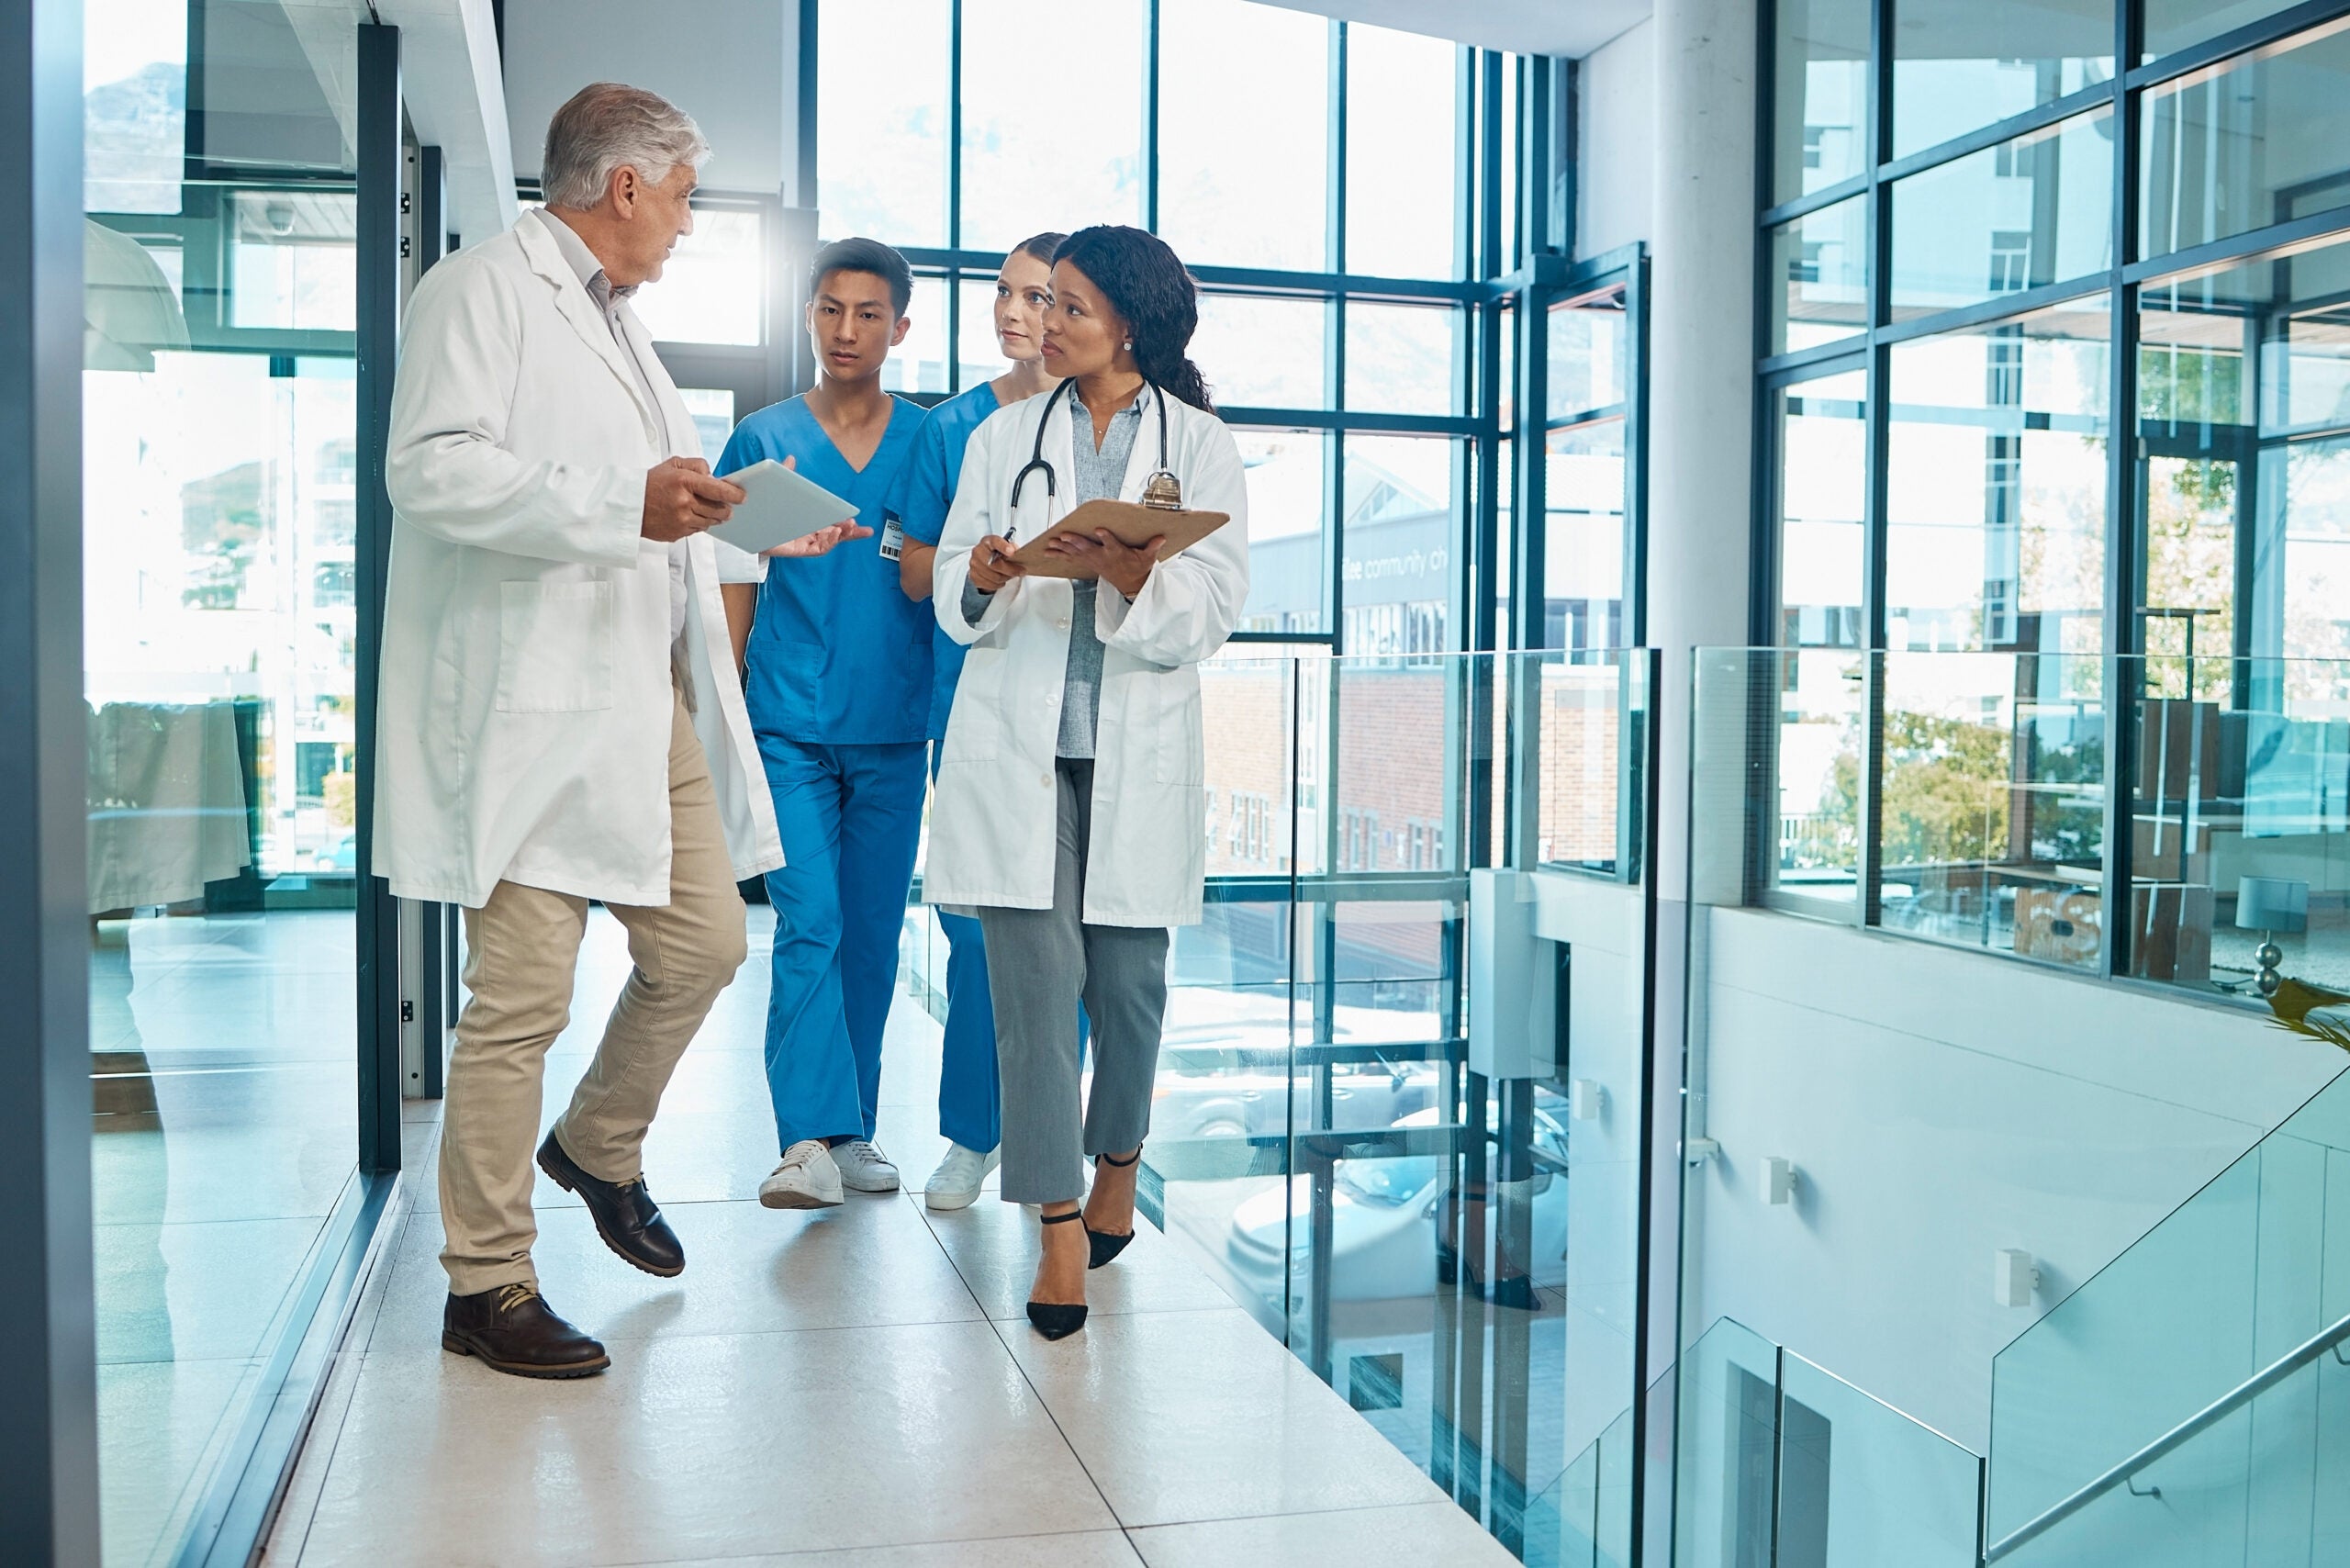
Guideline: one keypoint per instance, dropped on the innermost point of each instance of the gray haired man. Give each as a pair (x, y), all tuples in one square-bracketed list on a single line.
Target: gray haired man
[(561, 721)]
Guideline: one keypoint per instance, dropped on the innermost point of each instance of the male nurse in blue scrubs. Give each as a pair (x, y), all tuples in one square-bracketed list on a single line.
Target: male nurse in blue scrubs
[(968, 1092), (838, 679)]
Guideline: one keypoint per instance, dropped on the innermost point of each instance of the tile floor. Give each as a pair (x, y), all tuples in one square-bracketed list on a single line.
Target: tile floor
[(856, 1388)]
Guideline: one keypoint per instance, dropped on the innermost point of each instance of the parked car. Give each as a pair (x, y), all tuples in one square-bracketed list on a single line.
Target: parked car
[(1383, 1225), (341, 856)]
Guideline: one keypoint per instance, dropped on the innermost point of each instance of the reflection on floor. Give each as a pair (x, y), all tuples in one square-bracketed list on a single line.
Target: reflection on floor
[(856, 1387), (207, 1210)]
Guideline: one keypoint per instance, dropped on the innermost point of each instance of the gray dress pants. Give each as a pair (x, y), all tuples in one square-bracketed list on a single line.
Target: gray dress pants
[(1041, 962)]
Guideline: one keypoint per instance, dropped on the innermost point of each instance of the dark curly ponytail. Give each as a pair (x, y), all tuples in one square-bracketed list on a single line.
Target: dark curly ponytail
[(1149, 287)]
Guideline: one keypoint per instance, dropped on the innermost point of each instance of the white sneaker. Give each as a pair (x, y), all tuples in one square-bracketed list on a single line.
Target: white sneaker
[(956, 1181), (864, 1168), (808, 1179)]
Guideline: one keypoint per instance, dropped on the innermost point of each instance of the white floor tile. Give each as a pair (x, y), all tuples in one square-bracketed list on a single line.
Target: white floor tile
[(995, 1246), (1087, 1548), (1169, 1442), (699, 1447), (1423, 1535), (748, 1270)]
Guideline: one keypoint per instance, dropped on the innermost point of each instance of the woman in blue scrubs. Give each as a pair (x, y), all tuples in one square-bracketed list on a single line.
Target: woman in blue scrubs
[(968, 1113), (838, 686)]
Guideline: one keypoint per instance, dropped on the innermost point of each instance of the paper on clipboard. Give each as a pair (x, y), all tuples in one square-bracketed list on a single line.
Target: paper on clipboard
[(1128, 523), (780, 505)]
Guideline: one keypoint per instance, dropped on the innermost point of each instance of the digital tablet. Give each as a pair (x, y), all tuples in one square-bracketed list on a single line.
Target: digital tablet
[(779, 506)]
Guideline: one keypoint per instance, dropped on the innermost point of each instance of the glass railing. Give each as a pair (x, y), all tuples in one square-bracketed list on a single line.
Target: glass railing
[(1437, 1213), (1782, 1462), (2235, 1278), (2239, 823), (2248, 1479)]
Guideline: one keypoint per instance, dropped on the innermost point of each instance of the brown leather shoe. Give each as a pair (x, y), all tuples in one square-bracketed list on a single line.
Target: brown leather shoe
[(513, 1330)]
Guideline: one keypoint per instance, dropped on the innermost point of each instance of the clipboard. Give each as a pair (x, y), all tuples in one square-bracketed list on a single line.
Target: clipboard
[(1128, 522), (780, 505)]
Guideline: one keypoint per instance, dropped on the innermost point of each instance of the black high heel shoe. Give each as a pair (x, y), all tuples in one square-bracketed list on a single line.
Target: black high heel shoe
[(1106, 1245), (1055, 1320)]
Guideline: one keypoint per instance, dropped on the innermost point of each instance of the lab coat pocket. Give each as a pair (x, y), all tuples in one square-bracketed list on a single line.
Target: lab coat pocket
[(555, 647), (1179, 755)]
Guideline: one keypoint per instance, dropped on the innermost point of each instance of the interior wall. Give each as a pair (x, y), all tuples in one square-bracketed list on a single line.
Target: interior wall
[(1940, 1105), (1616, 135), (732, 64)]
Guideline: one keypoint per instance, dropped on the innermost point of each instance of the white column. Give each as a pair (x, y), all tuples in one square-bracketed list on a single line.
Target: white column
[(1701, 372)]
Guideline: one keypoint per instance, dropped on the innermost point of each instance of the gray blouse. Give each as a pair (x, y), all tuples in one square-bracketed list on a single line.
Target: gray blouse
[(1100, 475)]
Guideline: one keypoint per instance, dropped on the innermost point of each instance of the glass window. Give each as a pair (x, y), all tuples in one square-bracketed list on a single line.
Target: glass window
[(1819, 276), (1820, 131), (2244, 144), (2243, 386), (1587, 351), (713, 409), (1026, 89), (919, 363), (2035, 210), (1582, 545), (1403, 155), (1822, 499), (134, 76), (881, 149), (1404, 359), (290, 257), (1264, 353), (713, 289), (977, 352), (220, 551), (1397, 532), (1243, 108), (1996, 485), (1289, 571), (1959, 66), (2174, 25)]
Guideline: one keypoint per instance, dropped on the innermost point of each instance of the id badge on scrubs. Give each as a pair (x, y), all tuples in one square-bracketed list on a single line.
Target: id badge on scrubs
[(893, 539)]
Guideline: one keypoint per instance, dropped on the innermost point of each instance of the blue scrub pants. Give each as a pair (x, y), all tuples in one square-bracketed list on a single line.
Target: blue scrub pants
[(851, 821), (970, 1106)]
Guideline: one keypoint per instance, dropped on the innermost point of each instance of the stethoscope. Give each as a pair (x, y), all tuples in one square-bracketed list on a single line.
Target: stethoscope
[(1162, 489)]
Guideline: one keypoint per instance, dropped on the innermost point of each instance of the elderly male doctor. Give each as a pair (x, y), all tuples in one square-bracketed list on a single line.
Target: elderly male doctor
[(562, 719)]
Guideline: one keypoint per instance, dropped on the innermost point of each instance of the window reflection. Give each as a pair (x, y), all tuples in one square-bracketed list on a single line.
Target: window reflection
[(219, 544), (1819, 277), (1959, 66), (2247, 144), (2035, 210), (1996, 485), (919, 362), (1819, 131)]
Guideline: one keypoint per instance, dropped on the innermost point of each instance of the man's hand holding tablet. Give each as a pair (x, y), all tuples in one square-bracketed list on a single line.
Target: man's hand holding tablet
[(777, 516)]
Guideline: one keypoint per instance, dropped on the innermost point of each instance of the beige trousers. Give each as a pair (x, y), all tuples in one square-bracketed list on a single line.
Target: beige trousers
[(523, 948)]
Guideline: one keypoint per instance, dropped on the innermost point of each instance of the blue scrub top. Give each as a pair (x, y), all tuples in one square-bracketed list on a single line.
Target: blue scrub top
[(839, 654), (926, 491)]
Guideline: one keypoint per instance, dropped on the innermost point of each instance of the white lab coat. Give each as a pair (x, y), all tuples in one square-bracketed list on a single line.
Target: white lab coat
[(527, 701), (993, 820)]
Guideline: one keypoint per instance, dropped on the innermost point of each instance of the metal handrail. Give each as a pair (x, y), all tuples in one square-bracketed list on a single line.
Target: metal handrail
[(2202, 1420)]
